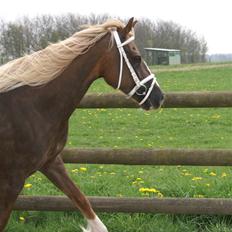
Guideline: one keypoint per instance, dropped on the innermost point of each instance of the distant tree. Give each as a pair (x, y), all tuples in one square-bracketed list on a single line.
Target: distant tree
[(31, 34), (145, 35)]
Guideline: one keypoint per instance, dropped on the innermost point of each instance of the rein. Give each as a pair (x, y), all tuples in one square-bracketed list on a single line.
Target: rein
[(138, 83)]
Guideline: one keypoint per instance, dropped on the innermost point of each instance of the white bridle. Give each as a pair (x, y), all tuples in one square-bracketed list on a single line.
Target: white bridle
[(138, 83)]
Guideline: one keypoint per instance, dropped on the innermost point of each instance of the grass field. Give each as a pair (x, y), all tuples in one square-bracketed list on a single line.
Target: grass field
[(127, 128)]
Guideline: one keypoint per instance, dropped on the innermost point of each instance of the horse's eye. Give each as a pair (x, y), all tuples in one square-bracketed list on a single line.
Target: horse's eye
[(137, 59)]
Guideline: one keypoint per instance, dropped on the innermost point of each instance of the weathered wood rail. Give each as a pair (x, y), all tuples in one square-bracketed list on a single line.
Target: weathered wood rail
[(172, 100), (200, 157), (130, 205)]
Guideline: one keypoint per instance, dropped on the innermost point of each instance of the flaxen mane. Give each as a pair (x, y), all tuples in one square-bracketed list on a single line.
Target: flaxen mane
[(45, 65)]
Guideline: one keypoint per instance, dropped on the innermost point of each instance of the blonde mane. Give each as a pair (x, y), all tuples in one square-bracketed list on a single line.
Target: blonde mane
[(45, 65)]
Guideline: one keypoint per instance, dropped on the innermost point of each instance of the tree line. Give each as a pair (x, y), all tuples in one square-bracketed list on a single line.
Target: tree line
[(27, 35)]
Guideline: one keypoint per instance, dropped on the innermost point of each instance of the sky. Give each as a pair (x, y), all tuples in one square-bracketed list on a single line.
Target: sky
[(211, 19)]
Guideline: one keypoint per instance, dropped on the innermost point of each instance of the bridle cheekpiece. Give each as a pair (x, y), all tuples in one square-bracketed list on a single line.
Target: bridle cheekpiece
[(138, 83)]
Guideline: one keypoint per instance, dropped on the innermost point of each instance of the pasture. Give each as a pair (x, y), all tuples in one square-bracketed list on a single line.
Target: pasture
[(134, 128)]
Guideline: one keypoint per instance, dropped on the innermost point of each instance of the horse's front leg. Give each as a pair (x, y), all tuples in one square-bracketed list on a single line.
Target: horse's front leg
[(55, 171)]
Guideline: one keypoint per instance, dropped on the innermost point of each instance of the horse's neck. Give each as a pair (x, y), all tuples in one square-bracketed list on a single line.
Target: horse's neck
[(67, 90)]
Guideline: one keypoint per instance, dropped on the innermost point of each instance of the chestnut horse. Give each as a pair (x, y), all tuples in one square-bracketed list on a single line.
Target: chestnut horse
[(38, 94)]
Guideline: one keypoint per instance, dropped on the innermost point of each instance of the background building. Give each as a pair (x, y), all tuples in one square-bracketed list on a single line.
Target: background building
[(162, 56)]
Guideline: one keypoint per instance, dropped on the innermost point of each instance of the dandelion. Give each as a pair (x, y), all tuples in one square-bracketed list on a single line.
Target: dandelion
[(27, 186), (196, 178), (119, 195), (212, 174), (216, 116), (198, 196), (22, 219), (223, 174), (186, 174), (74, 170), (83, 169), (160, 195), (148, 190)]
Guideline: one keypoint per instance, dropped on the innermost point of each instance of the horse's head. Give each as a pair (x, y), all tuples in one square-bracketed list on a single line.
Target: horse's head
[(127, 71)]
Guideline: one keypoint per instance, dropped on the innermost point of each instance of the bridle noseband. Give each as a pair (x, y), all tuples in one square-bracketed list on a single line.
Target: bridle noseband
[(138, 83)]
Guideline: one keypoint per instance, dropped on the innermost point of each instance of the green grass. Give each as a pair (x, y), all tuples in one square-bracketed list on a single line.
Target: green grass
[(131, 128)]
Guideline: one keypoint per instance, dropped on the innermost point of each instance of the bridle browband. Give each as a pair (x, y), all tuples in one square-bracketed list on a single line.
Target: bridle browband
[(138, 83)]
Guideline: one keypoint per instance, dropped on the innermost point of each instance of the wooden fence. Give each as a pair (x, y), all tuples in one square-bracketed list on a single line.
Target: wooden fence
[(172, 100), (200, 157)]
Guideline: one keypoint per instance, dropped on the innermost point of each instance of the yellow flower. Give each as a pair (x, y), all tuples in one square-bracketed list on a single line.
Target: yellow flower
[(195, 178), (138, 179), (212, 174), (83, 169), (22, 219), (216, 116), (148, 190), (119, 195), (223, 174), (198, 195), (27, 186), (74, 170), (186, 174), (153, 190), (160, 195), (143, 190)]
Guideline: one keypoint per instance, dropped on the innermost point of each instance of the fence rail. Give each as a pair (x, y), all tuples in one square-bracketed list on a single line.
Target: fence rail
[(172, 100), (130, 205), (200, 157)]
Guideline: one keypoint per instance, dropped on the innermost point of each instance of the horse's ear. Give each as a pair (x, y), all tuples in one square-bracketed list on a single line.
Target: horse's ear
[(134, 23), (128, 27)]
